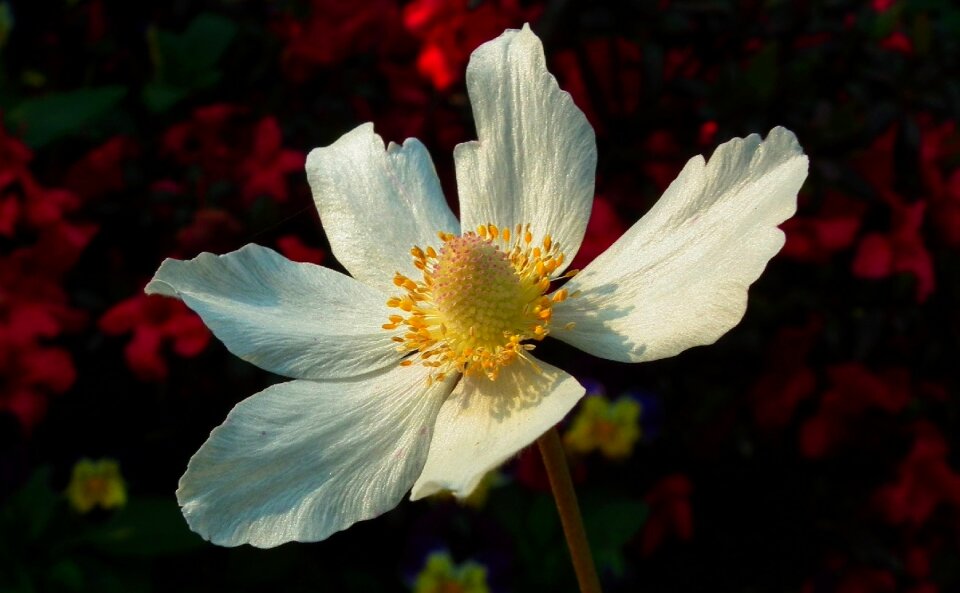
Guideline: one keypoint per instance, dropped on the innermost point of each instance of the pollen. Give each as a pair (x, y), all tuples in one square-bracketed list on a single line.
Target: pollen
[(481, 298)]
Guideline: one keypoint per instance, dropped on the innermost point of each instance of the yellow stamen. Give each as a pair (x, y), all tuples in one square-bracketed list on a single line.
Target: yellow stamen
[(480, 299)]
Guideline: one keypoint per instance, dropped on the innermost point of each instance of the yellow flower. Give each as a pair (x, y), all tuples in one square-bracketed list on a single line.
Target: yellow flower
[(440, 575), (96, 483), (611, 427)]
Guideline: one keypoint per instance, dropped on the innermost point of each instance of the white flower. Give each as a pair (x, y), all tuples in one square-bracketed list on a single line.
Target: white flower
[(440, 386)]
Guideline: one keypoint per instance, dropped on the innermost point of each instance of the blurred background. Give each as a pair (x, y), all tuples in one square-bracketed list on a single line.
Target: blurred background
[(812, 449)]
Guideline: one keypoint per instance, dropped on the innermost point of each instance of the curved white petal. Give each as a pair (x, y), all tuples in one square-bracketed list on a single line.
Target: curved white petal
[(304, 459), (294, 319), (485, 422), (376, 204), (678, 278), (535, 158)]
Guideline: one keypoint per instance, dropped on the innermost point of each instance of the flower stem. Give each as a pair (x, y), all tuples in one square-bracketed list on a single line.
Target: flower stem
[(555, 460)]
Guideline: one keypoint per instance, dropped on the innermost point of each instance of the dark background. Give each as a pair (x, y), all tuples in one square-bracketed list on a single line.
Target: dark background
[(811, 449)]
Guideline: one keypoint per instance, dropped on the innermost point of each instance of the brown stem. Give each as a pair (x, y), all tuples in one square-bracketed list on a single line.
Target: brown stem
[(555, 461)]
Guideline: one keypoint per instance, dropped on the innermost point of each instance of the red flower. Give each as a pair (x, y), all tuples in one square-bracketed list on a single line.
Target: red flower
[(293, 248), (663, 160), (210, 230), (26, 204), (29, 374), (788, 379), (34, 308), (866, 580), (945, 211), (153, 321), (333, 31), (876, 162), (614, 66), (14, 155), (853, 390), (451, 29), (901, 250), (924, 482), (897, 42), (264, 172), (101, 170), (670, 513), (33, 303), (210, 141), (939, 148), (815, 239), (603, 228)]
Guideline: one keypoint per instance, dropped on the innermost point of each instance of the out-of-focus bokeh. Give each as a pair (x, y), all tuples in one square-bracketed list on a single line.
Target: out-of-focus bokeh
[(812, 449)]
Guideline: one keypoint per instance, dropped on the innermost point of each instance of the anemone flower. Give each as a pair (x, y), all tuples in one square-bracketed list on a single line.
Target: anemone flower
[(416, 371)]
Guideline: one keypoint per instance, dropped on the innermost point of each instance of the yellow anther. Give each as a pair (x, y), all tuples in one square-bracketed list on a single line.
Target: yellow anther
[(560, 295), (405, 363), (570, 326), (480, 298)]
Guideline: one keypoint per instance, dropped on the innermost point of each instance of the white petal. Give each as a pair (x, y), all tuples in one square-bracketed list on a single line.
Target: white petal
[(304, 459), (484, 422), (678, 278), (536, 155), (375, 205), (294, 319)]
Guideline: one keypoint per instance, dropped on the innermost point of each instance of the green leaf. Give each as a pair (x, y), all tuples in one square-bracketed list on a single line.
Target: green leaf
[(51, 117), (761, 74), (65, 575), (611, 521), (186, 62), (145, 527)]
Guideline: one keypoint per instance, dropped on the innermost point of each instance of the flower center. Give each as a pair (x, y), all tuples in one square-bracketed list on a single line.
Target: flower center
[(481, 296)]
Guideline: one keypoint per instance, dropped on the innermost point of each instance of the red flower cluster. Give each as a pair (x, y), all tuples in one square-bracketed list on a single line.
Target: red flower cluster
[(924, 484), (853, 391), (223, 147), (333, 31), (41, 243)]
